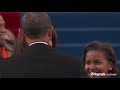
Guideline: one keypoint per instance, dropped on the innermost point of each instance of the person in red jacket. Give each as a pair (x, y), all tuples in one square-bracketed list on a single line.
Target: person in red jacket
[(7, 39)]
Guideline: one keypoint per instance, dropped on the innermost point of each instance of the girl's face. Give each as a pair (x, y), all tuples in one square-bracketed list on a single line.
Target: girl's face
[(96, 62)]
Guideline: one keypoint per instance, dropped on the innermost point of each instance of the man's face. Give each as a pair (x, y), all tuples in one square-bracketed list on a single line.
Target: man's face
[(2, 26), (3, 31)]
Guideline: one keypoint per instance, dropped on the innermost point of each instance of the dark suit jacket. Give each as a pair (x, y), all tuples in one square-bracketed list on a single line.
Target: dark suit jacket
[(41, 61)]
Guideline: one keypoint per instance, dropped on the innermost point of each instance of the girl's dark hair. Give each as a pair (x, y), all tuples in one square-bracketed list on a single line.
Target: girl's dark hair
[(54, 39), (19, 45), (104, 47)]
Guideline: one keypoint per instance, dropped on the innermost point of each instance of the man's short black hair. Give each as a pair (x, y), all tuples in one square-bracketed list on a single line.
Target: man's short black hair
[(35, 24)]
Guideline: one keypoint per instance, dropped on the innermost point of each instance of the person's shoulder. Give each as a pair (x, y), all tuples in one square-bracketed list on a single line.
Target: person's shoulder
[(10, 60), (76, 65), (5, 64), (70, 60), (7, 60)]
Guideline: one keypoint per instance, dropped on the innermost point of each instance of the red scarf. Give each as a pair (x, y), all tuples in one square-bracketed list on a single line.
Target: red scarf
[(3, 52)]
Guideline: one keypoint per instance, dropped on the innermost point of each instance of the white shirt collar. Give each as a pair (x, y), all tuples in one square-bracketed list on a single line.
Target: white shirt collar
[(37, 42)]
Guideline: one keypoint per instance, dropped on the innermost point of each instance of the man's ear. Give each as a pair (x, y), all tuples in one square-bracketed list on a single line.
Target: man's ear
[(53, 36), (50, 32)]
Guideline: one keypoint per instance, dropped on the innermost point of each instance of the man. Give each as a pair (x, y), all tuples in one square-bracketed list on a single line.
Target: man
[(40, 59), (6, 40)]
